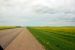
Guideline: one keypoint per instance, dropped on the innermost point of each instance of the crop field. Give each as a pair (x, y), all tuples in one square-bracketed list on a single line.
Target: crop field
[(6, 27), (55, 38)]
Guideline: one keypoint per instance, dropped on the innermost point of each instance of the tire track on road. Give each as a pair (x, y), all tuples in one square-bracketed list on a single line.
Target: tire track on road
[(25, 41)]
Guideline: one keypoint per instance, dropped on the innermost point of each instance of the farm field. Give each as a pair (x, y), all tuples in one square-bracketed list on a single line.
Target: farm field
[(55, 38), (7, 27)]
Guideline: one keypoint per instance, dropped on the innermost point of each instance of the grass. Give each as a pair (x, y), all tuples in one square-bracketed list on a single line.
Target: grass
[(7, 27), (55, 38)]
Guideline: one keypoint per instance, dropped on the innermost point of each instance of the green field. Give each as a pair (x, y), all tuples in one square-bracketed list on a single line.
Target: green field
[(7, 27), (55, 38)]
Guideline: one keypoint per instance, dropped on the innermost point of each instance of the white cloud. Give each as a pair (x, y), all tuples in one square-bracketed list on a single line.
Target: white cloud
[(32, 11)]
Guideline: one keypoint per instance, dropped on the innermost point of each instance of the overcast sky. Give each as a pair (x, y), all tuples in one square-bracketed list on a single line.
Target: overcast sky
[(37, 12)]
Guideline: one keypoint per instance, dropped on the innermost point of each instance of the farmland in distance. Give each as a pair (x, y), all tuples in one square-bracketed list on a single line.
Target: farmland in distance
[(55, 38)]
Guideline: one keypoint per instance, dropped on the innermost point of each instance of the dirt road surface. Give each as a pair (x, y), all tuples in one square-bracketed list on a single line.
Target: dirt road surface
[(8, 35), (19, 39)]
